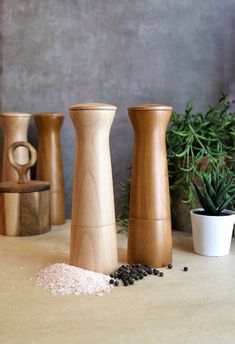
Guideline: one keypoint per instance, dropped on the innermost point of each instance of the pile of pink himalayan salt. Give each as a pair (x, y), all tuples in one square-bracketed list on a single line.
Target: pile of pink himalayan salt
[(66, 279)]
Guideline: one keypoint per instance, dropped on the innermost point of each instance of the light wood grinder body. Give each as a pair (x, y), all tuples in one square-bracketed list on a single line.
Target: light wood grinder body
[(93, 229)]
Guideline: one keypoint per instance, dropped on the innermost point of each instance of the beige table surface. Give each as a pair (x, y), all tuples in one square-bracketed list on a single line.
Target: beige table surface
[(197, 306)]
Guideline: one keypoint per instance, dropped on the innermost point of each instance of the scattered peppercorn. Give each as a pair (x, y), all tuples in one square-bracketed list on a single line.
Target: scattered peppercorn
[(155, 272), (130, 273)]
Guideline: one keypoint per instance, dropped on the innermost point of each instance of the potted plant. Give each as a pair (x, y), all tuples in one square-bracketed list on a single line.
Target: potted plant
[(196, 141), (212, 225)]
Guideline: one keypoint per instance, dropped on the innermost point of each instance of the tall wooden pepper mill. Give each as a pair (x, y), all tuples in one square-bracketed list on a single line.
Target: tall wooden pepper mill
[(93, 244), (149, 232), (15, 127), (49, 164)]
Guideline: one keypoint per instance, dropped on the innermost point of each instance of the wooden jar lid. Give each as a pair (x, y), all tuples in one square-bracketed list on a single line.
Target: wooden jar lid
[(93, 106), (30, 186), (23, 185), (150, 107)]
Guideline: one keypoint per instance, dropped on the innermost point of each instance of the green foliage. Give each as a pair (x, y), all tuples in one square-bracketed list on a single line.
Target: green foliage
[(122, 218), (196, 142), (216, 193), (199, 141)]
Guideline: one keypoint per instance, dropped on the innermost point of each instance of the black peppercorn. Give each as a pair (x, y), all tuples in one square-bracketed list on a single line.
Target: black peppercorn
[(111, 281), (185, 268), (111, 275), (170, 266), (125, 283), (161, 274), (155, 272), (116, 283), (123, 277)]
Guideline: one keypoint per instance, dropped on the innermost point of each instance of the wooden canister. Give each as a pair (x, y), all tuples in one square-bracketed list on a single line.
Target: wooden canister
[(93, 242), (149, 232), (49, 164), (15, 127), (24, 205)]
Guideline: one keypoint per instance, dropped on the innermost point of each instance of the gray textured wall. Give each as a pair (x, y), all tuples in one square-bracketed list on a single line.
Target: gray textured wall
[(60, 52)]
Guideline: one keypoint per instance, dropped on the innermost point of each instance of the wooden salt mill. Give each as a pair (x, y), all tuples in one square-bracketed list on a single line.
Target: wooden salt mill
[(93, 242), (15, 127), (49, 164), (24, 205), (149, 232)]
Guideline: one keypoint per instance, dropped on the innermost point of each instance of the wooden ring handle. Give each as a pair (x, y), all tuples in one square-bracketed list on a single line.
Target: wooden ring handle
[(22, 169)]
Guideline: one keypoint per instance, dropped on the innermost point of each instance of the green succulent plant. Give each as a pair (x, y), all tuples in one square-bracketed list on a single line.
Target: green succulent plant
[(216, 192)]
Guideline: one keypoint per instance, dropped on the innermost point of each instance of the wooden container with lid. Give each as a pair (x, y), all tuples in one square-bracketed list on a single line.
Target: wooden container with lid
[(24, 205)]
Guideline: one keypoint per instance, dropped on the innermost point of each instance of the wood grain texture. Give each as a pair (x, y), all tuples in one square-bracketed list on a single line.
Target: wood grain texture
[(150, 242), (93, 201), (15, 128), (149, 196), (33, 186), (35, 213), (94, 248), (49, 165), (25, 214)]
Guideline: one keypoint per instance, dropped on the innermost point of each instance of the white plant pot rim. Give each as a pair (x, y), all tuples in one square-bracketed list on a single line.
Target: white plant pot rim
[(230, 212), (212, 234)]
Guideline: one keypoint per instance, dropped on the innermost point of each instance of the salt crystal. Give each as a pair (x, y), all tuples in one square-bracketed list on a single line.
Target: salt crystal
[(66, 279)]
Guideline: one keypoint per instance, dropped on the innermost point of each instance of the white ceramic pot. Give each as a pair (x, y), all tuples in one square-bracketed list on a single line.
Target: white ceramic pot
[(212, 234)]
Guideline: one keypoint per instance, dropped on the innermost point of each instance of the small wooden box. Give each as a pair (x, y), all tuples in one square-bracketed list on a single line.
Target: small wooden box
[(24, 208)]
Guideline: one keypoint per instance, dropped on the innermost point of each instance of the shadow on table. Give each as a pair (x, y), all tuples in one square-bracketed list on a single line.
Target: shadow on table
[(183, 244), (122, 255)]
